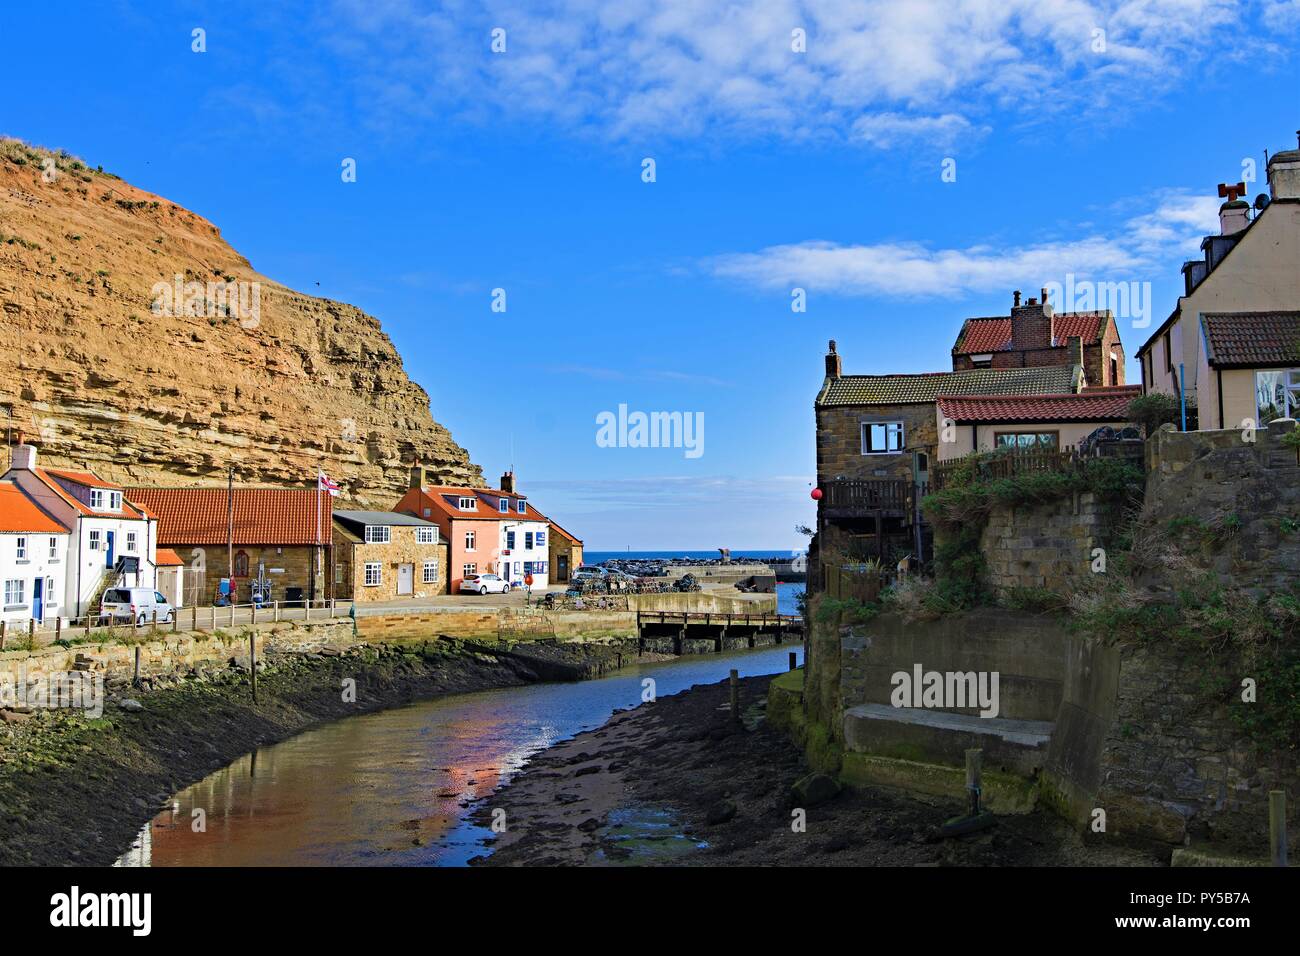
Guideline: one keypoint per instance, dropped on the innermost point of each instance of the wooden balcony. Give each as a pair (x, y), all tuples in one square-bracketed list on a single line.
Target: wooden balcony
[(866, 498)]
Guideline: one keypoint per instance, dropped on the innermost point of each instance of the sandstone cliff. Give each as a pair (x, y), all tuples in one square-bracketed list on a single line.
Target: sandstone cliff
[(106, 372)]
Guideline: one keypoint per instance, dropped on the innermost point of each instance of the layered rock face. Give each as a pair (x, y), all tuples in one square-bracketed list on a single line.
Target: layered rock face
[(136, 343)]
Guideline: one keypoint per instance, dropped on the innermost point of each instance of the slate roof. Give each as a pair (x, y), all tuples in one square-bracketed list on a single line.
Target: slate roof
[(1090, 405), (908, 389), (993, 333), (263, 516), (1251, 339), (391, 518)]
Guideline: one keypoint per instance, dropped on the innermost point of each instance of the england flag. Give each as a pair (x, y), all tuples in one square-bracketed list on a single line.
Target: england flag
[(323, 483)]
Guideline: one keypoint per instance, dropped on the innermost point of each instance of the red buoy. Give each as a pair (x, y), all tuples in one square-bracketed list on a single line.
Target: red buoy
[(816, 494)]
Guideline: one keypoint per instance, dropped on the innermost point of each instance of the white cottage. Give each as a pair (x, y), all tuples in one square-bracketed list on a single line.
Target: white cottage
[(113, 543), (33, 560)]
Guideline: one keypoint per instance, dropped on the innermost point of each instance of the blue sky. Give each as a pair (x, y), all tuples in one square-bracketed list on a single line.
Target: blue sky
[(1077, 151)]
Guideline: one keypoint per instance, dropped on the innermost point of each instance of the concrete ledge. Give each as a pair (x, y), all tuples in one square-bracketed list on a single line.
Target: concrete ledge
[(1003, 793), (918, 734)]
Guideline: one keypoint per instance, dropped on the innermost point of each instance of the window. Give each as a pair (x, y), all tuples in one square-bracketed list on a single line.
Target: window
[(528, 540), (1277, 394), (130, 542), (97, 499), (1114, 369), (15, 592), (541, 539), (54, 549), (94, 540), (510, 540), (428, 512), (469, 570), (374, 574), (470, 538), (528, 567), (378, 534), (115, 501), (882, 438), (504, 505), (426, 535), (1026, 439), (340, 573), (467, 504), (430, 572), (984, 360), (1169, 354), (523, 507), (241, 564), (22, 549)]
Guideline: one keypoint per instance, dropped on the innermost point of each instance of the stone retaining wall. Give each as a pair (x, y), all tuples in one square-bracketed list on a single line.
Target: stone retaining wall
[(1047, 546)]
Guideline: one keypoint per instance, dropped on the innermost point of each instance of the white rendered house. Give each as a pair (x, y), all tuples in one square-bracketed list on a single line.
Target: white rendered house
[(33, 560)]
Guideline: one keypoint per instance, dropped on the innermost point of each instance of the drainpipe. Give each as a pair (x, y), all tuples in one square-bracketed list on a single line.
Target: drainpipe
[(1182, 397)]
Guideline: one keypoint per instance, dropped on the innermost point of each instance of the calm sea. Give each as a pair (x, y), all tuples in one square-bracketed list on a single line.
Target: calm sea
[(787, 594)]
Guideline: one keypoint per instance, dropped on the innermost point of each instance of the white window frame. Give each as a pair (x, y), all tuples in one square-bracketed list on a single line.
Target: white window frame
[(130, 542), (97, 499), (115, 501), (471, 539), (426, 535), (378, 574), (20, 548), (54, 548), (890, 427), (468, 570), (378, 534), (1290, 392), (16, 592), (504, 506), (523, 507), (95, 540), (429, 572), (467, 504)]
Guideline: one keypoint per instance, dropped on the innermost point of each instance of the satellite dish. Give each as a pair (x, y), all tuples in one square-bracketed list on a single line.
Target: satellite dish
[(1261, 201)]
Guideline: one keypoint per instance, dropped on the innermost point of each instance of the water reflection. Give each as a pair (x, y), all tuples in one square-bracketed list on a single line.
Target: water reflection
[(394, 788)]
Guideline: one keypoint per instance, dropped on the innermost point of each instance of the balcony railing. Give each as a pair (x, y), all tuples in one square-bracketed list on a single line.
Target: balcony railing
[(866, 496)]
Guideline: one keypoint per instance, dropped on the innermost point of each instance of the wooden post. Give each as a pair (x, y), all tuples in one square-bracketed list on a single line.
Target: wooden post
[(88, 622), (974, 761), (214, 617), (735, 694), (252, 662), (176, 621), (58, 629), (4, 626), (793, 661), (232, 614), (33, 632), (153, 627), (334, 607), (194, 618), (252, 613), (1277, 825), (135, 678), (276, 611)]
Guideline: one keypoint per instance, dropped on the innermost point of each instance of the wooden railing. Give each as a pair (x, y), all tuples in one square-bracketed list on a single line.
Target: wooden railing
[(1009, 462), (867, 495), (848, 582)]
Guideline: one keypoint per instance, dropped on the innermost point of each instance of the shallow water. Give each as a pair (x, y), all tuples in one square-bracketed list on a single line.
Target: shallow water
[(395, 788)]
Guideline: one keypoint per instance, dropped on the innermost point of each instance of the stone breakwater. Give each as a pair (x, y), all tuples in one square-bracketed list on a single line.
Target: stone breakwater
[(76, 789)]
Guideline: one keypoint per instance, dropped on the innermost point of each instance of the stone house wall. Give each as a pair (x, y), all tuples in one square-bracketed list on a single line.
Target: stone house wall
[(1047, 546), (351, 557), (839, 440)]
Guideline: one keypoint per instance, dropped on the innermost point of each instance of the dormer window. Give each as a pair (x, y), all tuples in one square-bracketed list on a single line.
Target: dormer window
[(378, 534), (984, 360), (467, 504), (103, 500), (523, 507), (504, 505)]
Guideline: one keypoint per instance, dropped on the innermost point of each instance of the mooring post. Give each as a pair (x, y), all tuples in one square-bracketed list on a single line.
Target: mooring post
[(793, 663), (135, 678), (4, 626), (275, 611), (252, 612), (87, 622), (58, 629), (974, 759), (232, 614), (153, 625), (252, 662), (176, 621), (194, 618), (735, 694), (1277, 825), (214, 617)]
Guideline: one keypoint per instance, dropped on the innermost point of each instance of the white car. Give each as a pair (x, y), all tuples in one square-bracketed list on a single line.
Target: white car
[(484, 584), (135, 605)]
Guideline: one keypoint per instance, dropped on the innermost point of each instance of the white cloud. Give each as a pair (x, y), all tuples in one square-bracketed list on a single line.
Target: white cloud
[(873, 71), (914, 270), (887, 130)]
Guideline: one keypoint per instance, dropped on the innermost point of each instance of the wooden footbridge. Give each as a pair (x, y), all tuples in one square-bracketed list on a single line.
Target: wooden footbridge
[(690, 632)]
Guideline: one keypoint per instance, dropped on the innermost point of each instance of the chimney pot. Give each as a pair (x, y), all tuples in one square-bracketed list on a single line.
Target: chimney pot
[(508, 482), (834, 364), (1015, 299)]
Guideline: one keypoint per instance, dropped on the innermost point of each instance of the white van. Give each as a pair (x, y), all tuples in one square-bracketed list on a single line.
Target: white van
[(135, 605)]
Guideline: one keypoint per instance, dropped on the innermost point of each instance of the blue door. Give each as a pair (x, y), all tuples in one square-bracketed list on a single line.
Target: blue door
[(38, 602), (109, 537)]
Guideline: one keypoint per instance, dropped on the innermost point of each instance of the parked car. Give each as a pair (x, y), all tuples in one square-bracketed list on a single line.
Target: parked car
[(589, 572), (484, 584), (135, 605)]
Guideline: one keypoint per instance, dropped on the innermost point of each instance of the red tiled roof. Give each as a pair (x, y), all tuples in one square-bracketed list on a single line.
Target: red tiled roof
[(488, 507), (1090, 405), (263, 516), (82, 478), (167, 558), (20, 513), (47, 477), (993, 334), (1252, 339)]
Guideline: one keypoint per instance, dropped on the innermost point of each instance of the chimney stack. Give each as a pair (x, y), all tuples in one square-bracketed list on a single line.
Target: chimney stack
[(24, 456), (508, 482), (1015, 299), (1284, 173), (418, 475), (1031, 324), (833, 365)]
